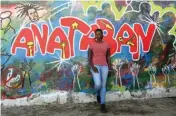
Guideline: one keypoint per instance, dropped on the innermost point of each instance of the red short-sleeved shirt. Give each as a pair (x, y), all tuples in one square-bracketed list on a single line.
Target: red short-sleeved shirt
[(99, 52)]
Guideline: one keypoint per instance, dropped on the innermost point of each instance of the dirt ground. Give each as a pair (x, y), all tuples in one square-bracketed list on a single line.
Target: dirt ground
[(150, 107)]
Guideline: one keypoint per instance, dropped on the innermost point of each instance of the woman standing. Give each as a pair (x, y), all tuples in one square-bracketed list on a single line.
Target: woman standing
[(99, 61)]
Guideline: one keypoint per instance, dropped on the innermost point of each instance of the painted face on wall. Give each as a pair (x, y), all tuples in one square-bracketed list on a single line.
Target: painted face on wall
[(91, 16), (33, 15), (145, 8), (107, 9), (92, 13)]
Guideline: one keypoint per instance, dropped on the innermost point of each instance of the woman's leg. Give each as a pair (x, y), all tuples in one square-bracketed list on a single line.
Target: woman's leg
[(104, 75), (97, 80)]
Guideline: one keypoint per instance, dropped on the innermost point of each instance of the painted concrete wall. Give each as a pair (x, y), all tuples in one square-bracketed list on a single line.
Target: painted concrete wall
[(44, 50)]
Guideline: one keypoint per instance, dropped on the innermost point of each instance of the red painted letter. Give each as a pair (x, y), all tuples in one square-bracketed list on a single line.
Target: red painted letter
[(24, 40), (63, 44), (130, 39), (105, 25), (147, 38), (74, 23), (41, 39), (86, 39)]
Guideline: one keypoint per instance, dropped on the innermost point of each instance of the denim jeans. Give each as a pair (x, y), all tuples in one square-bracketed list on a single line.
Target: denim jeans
[(100, 79)]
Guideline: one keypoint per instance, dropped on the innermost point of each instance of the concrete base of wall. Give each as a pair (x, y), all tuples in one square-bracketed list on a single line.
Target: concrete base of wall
[(61, 97)]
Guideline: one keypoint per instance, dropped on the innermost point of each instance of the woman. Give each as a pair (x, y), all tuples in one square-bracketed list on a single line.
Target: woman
[(99, 61)]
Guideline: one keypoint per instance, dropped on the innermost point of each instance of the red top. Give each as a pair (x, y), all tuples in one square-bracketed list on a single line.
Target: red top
[(99, 52)]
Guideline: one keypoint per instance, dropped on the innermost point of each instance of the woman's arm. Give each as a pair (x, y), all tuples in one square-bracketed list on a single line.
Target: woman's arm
[(108, 58), (90, 58), (90, 54)]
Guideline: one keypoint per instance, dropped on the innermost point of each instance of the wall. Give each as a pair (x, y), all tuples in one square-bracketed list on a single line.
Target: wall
[(44, 47)]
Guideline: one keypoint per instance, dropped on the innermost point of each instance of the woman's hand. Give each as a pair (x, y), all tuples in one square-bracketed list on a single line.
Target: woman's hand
[(109, 73), (95, 69)]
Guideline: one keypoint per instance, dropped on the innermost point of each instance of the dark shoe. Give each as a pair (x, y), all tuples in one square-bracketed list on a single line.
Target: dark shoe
[(103, 108), (98, 99)]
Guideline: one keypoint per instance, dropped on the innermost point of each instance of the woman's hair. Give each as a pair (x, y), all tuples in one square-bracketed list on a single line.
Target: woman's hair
[(100, 30)]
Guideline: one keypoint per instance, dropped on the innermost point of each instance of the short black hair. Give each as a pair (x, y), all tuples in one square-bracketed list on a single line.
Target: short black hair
[(100, 30)]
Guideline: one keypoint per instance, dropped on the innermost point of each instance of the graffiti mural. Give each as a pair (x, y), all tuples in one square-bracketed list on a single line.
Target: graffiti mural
[(44, 45)]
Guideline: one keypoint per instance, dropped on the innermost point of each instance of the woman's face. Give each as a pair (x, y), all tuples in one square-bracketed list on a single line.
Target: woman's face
[(98, 35)]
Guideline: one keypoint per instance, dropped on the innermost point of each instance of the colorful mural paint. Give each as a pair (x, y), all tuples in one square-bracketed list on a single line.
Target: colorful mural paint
[(44, 45)]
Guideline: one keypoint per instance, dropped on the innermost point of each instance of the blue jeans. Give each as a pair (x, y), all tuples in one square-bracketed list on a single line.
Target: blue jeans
[(100, 79)]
